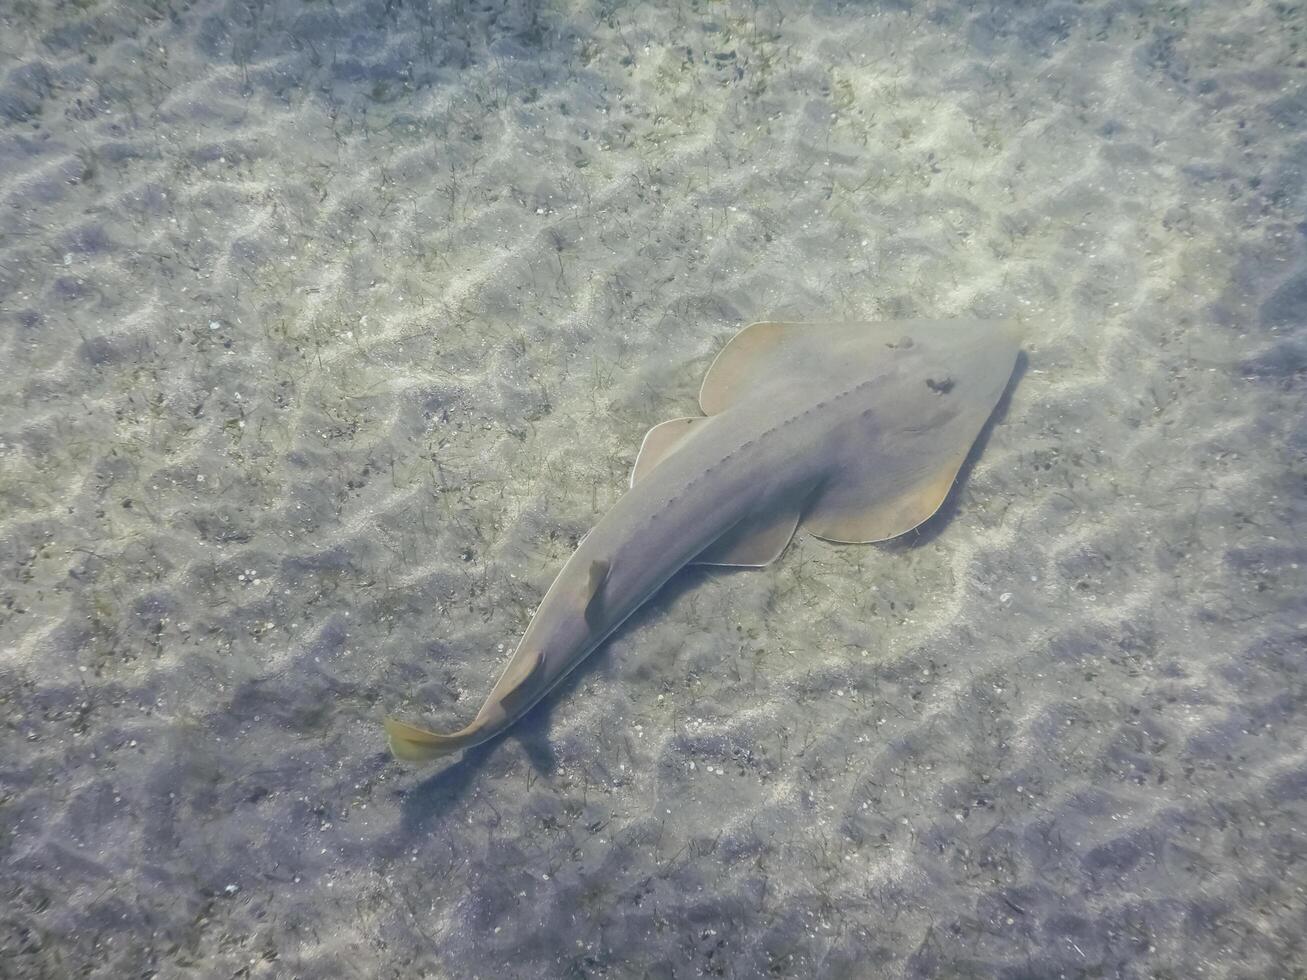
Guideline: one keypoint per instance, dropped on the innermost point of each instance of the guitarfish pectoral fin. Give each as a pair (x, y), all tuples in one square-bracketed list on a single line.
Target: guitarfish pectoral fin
[(939, 386), (845, 515), (753, 542), (756, 352)]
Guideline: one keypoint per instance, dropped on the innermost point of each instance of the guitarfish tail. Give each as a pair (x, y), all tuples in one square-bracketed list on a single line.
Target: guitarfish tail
[(413, 744)]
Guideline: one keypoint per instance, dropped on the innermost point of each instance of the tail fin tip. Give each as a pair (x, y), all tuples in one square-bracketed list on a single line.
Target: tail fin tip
[(413, 744)]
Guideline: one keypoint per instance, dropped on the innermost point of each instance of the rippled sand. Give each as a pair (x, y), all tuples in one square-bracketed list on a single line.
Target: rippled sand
[(326, 329)]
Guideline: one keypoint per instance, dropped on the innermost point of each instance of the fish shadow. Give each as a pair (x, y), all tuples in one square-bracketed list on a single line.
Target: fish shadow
[(432, 798)]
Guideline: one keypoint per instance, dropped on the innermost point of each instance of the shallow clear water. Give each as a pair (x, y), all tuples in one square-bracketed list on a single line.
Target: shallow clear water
[(327, 329)]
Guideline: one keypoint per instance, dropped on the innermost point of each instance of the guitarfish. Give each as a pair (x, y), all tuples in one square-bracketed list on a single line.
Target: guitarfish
[(853, 431)]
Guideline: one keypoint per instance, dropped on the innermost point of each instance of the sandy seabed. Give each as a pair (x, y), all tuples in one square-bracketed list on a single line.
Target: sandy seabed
[(327, 329)]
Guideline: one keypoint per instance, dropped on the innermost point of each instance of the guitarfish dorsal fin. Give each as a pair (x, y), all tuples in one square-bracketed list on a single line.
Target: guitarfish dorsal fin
[(594, 603), (524, 685)]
